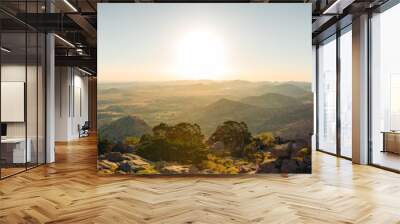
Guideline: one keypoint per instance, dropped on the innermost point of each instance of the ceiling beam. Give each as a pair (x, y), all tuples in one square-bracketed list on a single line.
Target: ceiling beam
[(85, 25), (79, 61)]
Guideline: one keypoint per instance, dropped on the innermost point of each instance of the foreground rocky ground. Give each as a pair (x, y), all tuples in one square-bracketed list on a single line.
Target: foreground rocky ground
[(281, 159)]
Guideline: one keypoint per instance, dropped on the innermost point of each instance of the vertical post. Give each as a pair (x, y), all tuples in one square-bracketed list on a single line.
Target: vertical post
[(317, 97), (50, 92), (26, 87), (0, 99), (338, 81), (360, 89)]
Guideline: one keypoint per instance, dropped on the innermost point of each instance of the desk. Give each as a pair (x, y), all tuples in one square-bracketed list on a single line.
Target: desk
[(391, 141), (16, 147)]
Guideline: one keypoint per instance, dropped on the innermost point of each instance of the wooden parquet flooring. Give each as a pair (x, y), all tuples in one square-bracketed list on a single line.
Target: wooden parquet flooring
[(70, 191)]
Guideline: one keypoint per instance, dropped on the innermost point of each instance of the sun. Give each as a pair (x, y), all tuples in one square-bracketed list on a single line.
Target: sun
[(200, 55)]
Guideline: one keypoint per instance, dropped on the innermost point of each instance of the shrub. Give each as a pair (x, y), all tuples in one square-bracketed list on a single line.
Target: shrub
[(219, 165), (234, 135), (181, 143), (103, 146), (122, 148), (267, 139), (132, 140)]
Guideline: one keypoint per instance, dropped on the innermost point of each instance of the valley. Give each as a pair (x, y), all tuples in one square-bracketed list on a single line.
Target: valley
[(205, 127)]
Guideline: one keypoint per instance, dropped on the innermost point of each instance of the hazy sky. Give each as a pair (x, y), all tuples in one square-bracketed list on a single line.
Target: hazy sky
[(157, 42)]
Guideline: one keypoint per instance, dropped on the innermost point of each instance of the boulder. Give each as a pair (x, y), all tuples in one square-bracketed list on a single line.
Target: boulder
[(281, 151), (105, 172), (307, 160), (247, 168), (148, 170), (125, 167), (120, 172), (268, 167), (299, 144), (289, 166), (176, 169), (301, 166), (102, 165), (123, 148), (138, 161), (107, 165), (115, 157), (130, 167), (301, 152)]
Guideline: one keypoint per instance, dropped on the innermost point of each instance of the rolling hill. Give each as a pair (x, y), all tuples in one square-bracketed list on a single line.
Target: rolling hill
[(271, 100), (123, 127), (287, 89), (222, 110), (264, 106), (257, 118)]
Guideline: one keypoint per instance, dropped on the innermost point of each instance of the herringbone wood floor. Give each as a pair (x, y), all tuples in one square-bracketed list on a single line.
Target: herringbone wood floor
[(69, 191)]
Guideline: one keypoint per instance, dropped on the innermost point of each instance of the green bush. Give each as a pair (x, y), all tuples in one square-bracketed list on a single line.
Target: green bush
[(234, 135), (181, 143), (132, 140), (103, 146)]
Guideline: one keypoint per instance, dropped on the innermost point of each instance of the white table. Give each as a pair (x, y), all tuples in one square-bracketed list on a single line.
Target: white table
[(19, 153)]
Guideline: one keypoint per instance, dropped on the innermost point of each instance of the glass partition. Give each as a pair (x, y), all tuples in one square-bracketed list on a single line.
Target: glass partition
[(14, 153), (327, 96), (22, 77), (385, 89)]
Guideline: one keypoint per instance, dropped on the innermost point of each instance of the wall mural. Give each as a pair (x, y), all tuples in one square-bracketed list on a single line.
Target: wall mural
[(204, 88)]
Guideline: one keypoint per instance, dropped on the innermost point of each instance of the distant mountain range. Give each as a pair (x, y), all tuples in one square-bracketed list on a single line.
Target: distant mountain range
[(223, 110), (284, 108), (259, 117), (271, 100), (287, 89)]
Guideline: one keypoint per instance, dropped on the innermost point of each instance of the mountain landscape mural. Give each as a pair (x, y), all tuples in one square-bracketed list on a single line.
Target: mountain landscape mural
[(204, 96), (205, 127)]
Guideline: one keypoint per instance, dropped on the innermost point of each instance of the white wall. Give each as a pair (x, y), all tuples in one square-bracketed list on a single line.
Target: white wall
[(71, 102), (16, 73), (62, 82), (33, 127)]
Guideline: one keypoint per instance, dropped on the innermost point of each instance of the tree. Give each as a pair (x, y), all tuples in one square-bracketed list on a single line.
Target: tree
[(160, 130), (266, 138), (122, 148), (186, 134), (132, 140), (234, 135), (103, 146), (182, 143), (145, 138), (253, 151)]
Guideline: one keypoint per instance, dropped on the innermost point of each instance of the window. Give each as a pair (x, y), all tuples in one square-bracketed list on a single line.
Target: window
[(385, 89), (346, 93), (327, 96), (394, 102)]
